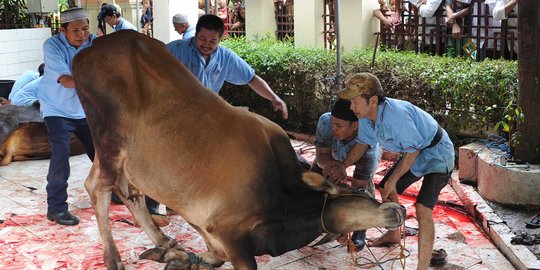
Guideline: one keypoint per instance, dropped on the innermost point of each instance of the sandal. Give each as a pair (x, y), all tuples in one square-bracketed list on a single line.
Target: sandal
[(534, 223)]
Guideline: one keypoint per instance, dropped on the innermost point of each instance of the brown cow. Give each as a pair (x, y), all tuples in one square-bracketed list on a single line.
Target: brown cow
[(232, 174), (30, 141), (23, 135)]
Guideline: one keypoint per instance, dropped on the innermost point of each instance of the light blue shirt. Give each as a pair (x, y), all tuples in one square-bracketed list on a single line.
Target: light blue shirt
[(124, 25), (28, 94), (189, 33), (55, 99), (340, 148), (23, 80), (404, 128), (224, 65)]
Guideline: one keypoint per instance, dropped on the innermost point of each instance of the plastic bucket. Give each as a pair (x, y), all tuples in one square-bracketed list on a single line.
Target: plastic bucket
[(5, 87)]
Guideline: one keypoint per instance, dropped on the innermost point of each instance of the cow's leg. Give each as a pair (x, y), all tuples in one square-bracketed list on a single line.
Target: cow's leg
[(100, 194)]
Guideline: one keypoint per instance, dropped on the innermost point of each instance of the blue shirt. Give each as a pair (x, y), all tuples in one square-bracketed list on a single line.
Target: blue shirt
[(23, 80), (340, 148), (404, 128), (28, 94), (124, 25), (224, 65), (189, 33), (55, 99)]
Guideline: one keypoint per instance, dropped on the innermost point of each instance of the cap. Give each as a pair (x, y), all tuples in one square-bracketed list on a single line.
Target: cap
[(361, 84), (180, 18), (107, 10), (342, 110), (73, 14)]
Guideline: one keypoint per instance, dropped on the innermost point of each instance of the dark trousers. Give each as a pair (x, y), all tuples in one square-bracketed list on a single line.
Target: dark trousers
[(59, 131)]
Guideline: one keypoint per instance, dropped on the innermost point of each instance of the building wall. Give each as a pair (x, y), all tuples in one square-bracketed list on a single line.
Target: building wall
[(21, 50)]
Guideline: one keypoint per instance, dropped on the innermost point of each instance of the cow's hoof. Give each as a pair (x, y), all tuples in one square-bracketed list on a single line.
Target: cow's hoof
[(154, 254), (178, 265)]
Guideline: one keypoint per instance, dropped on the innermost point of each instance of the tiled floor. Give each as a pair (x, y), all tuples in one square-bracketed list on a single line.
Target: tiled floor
[(29, 241)]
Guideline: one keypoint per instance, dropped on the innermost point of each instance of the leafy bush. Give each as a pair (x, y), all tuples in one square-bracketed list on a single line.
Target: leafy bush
[(457, 92)]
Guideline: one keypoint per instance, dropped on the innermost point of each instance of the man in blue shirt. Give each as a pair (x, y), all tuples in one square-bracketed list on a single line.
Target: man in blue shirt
[(337, 148), (28, 94), (400, 127), (113, 18), (213, 64), (61, 109), (181, 26), (25, 79)]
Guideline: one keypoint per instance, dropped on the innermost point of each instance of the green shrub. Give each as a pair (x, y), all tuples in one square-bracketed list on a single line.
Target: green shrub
[(457, 92)]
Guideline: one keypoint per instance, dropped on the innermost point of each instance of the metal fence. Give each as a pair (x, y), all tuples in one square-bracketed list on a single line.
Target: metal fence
[(480, 35), (284, 15)]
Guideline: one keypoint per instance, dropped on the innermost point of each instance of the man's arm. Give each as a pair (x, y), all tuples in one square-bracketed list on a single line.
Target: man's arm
[(356, 153), (333, 169), (389, 192), (67, 81), (261, 87), (502, 9)]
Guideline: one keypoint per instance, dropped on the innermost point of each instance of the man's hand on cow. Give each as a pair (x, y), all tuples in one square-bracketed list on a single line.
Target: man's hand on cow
[(336, 174), (279, 105), (389, 192)]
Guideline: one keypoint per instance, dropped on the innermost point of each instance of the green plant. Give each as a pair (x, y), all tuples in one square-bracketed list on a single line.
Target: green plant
[(13, 14), (511, 117)]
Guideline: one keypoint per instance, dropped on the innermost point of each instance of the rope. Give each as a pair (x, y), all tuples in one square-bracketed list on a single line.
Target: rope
[(322, 213)]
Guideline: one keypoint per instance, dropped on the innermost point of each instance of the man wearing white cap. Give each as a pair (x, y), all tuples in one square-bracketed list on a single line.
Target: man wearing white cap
[(61, 109), (182, 26)]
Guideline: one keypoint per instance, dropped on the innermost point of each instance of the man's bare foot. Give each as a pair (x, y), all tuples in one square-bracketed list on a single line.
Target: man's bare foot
[(390, 238)]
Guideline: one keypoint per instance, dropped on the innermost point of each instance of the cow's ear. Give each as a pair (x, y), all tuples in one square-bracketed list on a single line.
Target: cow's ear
[(318, 182)]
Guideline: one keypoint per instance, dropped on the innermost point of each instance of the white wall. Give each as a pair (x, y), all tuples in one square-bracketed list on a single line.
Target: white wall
[(21, 50)]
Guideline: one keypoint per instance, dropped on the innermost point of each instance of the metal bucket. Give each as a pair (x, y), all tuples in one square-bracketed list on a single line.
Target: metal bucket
[(5, 87)]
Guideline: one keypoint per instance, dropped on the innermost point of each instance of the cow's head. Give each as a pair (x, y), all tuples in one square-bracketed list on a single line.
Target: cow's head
[(346, 211)]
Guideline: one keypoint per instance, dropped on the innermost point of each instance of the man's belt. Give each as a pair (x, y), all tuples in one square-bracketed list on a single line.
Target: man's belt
[(436, 138)]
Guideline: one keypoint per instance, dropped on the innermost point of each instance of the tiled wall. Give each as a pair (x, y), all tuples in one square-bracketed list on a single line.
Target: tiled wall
[(21, 50)]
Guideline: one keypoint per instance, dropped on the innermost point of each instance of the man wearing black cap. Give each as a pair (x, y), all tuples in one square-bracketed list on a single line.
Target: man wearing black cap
[(113, 18), (61, 109), (337, 148)]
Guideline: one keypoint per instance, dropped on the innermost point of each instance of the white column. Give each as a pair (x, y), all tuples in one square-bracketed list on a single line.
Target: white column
[(308, 24), (260, 18), (357, 23), (164, 10)]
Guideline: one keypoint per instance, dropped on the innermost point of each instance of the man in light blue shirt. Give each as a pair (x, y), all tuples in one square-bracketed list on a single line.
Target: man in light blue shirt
[(28, 94), (398, 126), (113, 18), (25, 79), (338, 147), (61, 109), (182, 26), (213, 64)]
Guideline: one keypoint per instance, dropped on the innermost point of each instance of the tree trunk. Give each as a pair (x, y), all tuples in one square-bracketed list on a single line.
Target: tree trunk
[(528, 148)]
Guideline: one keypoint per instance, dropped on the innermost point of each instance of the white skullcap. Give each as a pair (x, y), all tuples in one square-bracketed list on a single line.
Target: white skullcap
[(73, 14), (180, 18)]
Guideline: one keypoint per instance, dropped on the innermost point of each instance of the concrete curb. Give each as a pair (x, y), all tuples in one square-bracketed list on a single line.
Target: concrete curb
[(520, 256)]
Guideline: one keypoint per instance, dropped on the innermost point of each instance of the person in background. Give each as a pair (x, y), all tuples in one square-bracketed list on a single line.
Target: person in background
[(501, 9), (28, 95), (337, 148), (456, 10), (223, 14), (213, 64), (239, 17), (61, 109), (181, 26), (427, 153), (113, 18), (388, 14), (147, 17), (24, 79)]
